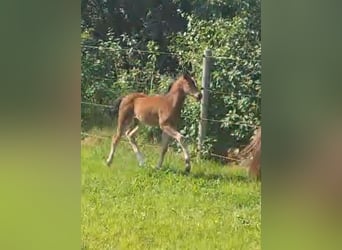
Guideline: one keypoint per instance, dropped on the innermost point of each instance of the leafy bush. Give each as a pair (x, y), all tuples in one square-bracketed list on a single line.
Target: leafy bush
[(127, 63), (235, 90), (109, 71)]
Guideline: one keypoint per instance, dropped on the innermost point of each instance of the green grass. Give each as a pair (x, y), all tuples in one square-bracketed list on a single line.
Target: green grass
[(127, 207)]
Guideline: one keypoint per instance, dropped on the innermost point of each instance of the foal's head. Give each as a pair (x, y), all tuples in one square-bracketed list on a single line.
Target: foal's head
[(188, 84)]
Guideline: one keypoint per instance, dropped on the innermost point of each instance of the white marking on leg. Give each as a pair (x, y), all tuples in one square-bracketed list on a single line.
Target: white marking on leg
[(178, 136), (115, 141), (180, 139), (111, 153), (110, 157), (140, 158), (134, 145)]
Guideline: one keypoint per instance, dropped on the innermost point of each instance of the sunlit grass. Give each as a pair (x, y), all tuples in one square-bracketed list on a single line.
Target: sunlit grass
[(127, 207)]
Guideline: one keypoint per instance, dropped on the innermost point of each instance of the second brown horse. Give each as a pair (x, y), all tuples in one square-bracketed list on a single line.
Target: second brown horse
[(158, 110)]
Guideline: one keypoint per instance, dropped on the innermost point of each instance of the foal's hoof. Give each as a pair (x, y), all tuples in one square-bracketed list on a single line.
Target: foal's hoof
[(108, 163), (187, 170)]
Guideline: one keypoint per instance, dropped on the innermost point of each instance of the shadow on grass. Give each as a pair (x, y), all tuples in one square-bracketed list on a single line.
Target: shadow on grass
[(228, 177)]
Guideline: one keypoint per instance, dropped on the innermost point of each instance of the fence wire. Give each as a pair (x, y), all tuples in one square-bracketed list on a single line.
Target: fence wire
[(106, 137), (232, 123), (97, 104), (209, 90), (205, 119), (129, 50), (231, 93)]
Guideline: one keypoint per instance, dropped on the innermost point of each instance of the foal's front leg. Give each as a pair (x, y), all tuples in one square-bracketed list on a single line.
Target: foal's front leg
[(180, 139)]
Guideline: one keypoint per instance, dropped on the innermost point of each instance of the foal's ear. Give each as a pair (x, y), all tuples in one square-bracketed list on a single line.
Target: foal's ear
[(186, 75)]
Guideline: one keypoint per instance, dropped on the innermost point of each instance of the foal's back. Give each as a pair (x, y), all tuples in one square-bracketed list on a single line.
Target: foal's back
[(145, 108)]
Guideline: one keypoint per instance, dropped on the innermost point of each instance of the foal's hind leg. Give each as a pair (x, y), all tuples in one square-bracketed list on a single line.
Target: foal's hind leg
[(164, 146), (122, 126), (180, 139), (131, 139), (115, 141)]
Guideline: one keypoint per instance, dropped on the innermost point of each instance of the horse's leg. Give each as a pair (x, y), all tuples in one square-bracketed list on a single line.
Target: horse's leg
[(122, 125), (115, 141), (131, 140), (164, 146), (180, 139)]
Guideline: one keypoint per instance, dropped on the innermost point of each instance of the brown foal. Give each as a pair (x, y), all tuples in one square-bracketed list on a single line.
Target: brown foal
[(158, 110)]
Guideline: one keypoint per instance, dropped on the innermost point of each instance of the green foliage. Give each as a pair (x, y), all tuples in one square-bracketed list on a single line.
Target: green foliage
[(130, 61), (146, 19), (235, 90), (127, 207), (112, 71)]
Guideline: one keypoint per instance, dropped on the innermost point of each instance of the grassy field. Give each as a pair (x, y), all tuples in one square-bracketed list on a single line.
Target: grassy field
[(127, 207)]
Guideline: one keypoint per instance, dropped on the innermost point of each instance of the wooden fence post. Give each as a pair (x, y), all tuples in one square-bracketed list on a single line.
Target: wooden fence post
[(204, 103)]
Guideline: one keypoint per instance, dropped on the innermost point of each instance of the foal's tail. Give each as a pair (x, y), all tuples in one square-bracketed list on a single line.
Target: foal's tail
[(113, 110)]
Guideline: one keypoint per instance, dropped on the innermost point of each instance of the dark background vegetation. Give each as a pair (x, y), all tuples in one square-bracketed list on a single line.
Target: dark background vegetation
[(131, 45)]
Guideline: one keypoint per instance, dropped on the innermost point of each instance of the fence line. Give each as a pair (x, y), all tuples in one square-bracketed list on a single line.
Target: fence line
[(104, 137), (233, 123), (209, 90), (157, 146), (95, 136), (205, 119), (225, 157), (130, 50), (112, 79), (232, 93), (97, 104), (148, 52)]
